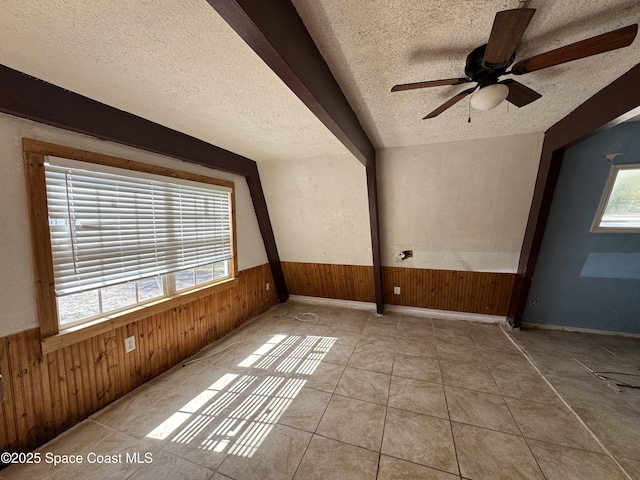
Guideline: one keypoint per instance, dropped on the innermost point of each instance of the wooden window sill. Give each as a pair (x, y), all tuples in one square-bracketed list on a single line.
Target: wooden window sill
[(108, 323)]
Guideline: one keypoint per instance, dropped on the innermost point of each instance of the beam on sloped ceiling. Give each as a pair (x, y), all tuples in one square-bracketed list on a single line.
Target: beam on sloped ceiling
[(27, 97), (275, 31)]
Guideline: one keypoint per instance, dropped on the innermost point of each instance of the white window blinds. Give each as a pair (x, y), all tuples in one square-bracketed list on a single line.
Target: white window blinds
[(111, 225)]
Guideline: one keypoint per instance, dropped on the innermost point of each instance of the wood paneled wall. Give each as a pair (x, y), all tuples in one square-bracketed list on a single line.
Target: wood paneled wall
[(344, 282), (459, 291), (47, 394)]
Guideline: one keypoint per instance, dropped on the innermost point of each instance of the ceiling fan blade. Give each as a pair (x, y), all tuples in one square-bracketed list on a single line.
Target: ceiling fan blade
[(449, 103), (508, 28), (623, 37), (432, 83), (519, 94)]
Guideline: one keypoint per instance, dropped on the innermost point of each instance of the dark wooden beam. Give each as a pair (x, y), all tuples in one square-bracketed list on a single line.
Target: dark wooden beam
[(275, 31), (264, 223), (613, 104), (24, 96), (372, 189), (27, 97)]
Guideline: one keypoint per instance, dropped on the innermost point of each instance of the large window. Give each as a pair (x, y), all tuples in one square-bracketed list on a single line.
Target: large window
[(619, 209), (121, 235)]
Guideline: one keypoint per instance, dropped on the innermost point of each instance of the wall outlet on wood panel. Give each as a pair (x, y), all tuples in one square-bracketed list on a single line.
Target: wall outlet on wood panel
[(129, 344), (396, 290), (268, 286)]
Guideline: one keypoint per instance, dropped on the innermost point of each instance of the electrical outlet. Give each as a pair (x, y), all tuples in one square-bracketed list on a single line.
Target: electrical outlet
[(129, 344), (396, 290), (268, 286)]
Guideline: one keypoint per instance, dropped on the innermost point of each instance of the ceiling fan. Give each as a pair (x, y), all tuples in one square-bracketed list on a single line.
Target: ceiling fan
[(487, 63)]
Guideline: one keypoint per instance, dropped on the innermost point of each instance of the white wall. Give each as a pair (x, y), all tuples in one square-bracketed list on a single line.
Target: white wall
[(319, 209), (459, 205), (17, 293)]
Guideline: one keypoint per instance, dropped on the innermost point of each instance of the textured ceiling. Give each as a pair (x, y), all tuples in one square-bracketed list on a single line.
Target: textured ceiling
[(371, 45), (179, 64), (176, 63)]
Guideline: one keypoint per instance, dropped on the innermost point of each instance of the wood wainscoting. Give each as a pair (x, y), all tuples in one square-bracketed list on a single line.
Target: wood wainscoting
[(47, 394), (344, 282), (459, 291)]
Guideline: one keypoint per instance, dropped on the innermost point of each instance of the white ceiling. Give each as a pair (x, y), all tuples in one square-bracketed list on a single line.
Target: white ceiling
[(179, 64)]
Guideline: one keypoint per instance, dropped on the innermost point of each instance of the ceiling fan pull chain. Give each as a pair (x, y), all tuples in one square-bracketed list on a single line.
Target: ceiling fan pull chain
[(469, 119)]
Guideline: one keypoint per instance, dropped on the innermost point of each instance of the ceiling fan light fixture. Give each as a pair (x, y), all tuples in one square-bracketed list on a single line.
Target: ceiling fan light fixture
[(489, 97)]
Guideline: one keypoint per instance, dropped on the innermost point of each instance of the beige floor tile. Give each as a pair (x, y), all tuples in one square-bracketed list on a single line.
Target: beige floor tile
[(330, 459), (471, 377), (591, 393), (193, 452), (276, 457), (458, 337), (507, 359), (116, 446), (418, 396), (364, 385), (356, 315), (381, 343), (341, 350), (551, 423), (353, 421), (219, 476), (396, 469), (78, 440), (562, 463), (129, 406), (306, 410), (454, 353), (381, 327), (489, 455), (146, 421), (417, 347), (417, 321), (631, 466), (354, 326), (480, 409), (370, 358), (558, 363), (525, 386), (413, 330), (619, 433), (166, 465), (325, 377), (419, 439), (451, 324), (418, 368)]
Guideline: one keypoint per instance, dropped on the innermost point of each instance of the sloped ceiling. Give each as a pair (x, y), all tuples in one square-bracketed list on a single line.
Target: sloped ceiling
[(176, 63), (179, 64)]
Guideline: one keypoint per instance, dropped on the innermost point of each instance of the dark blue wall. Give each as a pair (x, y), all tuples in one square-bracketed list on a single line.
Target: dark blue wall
[(583, 279)]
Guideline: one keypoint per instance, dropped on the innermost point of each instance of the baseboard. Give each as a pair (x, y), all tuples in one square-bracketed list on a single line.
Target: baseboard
[(546, 326), (333, 302), (415, 311)]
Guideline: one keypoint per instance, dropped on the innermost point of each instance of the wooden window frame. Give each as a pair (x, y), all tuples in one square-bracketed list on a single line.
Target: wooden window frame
[(35, 153)]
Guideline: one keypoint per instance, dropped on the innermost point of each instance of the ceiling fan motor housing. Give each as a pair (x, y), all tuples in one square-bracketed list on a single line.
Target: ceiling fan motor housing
[(478, 73)]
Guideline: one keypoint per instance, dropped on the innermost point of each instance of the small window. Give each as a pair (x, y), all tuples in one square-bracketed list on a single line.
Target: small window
[(619, 209)]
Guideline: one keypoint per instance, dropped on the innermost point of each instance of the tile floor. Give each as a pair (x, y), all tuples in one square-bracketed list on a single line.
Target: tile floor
[(359, 396)]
